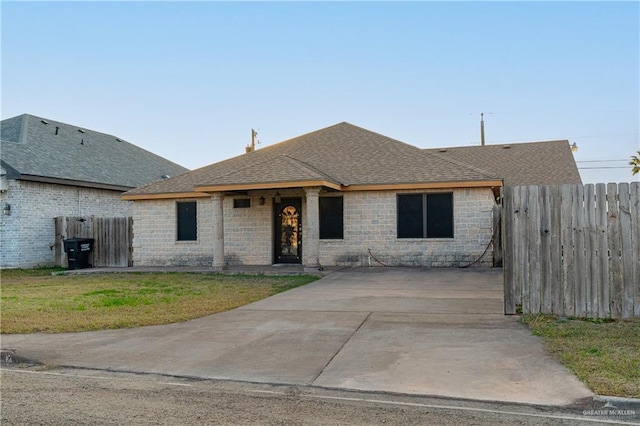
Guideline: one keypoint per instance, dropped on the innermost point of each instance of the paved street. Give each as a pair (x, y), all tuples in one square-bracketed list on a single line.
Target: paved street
[(37, 395)]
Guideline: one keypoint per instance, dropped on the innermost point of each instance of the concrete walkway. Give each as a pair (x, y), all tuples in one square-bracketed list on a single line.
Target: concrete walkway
[(412, 331)]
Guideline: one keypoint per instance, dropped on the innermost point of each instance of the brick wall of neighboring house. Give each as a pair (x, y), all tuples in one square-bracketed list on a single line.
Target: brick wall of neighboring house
[(369, 223), (28, 234)]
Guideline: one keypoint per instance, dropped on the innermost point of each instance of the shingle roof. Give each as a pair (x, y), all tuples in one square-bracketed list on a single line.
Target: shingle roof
[(342, 154), (531, 163), (32, 149)]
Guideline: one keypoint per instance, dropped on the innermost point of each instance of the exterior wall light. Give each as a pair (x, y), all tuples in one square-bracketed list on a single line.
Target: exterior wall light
[(6, 210), (277, 197), (261, 201)]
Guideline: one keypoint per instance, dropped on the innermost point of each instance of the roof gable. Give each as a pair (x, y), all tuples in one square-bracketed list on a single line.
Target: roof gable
[(39, 148), (282, 168)]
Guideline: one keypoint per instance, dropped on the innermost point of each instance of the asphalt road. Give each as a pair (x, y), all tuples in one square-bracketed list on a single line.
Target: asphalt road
[(56, 396)]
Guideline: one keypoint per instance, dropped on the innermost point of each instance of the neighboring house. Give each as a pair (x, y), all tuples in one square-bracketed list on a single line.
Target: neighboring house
[(342, 195), (51, 169)]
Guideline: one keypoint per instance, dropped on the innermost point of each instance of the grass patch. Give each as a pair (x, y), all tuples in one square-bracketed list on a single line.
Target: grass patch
[(603, 353), (35, 301)]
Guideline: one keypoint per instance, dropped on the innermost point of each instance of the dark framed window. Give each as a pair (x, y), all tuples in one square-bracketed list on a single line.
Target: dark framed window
[(331, 218), (187, 221), (439, 215), (425, 215), (410, 216), (241, 203)]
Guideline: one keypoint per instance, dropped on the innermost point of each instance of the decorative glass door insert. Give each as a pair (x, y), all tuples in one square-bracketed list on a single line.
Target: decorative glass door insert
[(288, 237)]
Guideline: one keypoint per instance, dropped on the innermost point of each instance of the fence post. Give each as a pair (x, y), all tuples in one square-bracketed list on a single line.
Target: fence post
[(521, 256), (545, 248), (604, 309), (130, 240), (567, 240), (557, 306), (534, 239), (60, 234), (580, 255), (592, 280), (510, 295), (634, 208), (615, 262), (626, 249)]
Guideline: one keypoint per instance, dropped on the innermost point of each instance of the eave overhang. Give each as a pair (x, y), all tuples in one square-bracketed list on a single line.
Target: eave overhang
[(203, 191), (165, 196), (69, 182), (423, 185)]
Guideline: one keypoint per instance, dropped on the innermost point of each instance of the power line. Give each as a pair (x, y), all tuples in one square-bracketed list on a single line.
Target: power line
[(601, 136), (598, 161), (583, 168), (493, 141)]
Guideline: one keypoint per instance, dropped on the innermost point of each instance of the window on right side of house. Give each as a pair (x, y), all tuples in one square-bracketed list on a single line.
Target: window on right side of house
[(187, 221), (425, 215)]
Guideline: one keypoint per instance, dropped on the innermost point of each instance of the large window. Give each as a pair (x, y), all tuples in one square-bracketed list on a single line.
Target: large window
[(331, 221), (425, 215), (187, 221)]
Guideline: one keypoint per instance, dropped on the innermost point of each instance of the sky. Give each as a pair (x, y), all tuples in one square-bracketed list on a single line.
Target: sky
[(189, 80)]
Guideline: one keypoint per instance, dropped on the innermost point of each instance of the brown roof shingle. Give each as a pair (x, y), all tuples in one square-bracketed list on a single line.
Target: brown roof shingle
[(531, 163), (342, 154)]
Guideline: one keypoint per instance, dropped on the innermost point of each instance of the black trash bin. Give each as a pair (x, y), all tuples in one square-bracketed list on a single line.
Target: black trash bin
[(78, 251)]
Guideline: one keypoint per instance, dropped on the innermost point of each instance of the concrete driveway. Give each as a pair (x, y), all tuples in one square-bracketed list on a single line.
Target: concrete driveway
[(414, 331)]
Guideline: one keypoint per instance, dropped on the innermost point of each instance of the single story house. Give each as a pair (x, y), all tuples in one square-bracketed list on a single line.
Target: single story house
[(51, 169), (342, 195)]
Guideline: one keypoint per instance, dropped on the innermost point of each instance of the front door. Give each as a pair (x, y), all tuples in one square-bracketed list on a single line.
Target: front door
[(288, 226)]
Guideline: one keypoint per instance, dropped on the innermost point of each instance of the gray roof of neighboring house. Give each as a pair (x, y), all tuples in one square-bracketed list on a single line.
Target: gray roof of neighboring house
[(530, 163), (342, 154), (41, 149)]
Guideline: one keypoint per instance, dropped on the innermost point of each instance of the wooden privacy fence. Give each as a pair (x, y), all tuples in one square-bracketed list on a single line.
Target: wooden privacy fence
[(113, 239), (572, 250)]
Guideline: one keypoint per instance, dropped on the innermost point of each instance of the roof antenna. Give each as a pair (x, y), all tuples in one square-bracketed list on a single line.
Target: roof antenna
[(482, 128), (254, 140)]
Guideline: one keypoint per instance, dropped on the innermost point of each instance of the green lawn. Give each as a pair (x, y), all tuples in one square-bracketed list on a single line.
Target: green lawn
[(35, 301), (604, 354)]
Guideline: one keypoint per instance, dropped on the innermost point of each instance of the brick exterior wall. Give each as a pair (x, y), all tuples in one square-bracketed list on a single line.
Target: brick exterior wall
[(28, 233), (247, 234), (369, 223), (155, 235)]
